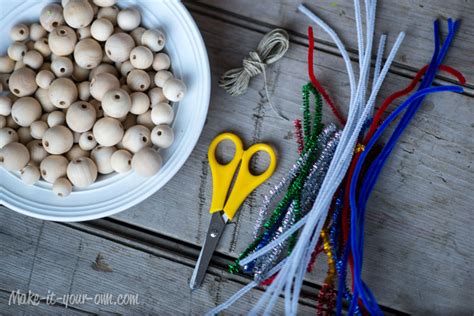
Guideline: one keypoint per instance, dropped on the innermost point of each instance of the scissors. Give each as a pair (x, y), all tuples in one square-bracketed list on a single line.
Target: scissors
[(223, 209)]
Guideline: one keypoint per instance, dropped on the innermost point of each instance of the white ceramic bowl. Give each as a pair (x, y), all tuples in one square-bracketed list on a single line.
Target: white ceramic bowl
[(116, 193)]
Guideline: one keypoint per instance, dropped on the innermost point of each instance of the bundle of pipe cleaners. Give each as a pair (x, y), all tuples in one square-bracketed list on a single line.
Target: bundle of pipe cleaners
[(320, 205)]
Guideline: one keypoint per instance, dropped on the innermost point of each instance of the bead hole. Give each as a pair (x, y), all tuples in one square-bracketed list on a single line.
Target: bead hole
[(46, 144), (16, 91), (62, 70), (117, 97), (62, 103), (144, 139), (55, 24)]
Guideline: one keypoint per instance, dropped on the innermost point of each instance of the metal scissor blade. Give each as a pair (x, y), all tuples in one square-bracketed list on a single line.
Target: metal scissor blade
[(214, 233)]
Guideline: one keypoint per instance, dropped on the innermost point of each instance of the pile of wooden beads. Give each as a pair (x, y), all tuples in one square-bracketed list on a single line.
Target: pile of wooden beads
[(87, 92)]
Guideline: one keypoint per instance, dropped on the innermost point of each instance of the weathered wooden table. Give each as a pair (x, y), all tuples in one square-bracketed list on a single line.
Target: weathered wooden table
[(419, 244)]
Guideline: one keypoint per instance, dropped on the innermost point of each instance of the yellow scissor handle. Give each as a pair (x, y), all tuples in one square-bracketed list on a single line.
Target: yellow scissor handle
[(246, 182), (222, 175)]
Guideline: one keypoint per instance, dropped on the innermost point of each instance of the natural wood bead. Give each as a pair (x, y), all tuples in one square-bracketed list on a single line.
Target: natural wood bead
[(8, 135), (62, 187), (58, 140), (118, 47), (5, 105), (42, 95), (37, 152), (37, 32), (51, 16), (137, 35), (30, 174), (82, 172), (33, 59), (156, 96), (19, 32), (136, 138), (56, 118), (3, 122), (162, 113), (78, 13), (42, 47), (102, 156), (26, 110), (6, 64), (116, 103), (62, 92), (154, 40), (44, 117), (98, 107), (140, 103), (174, 89), (87, 141), (141, 57), (62, 40), (16, 51), (80, 116), (80, 74), (11, 123), (145, 120), (29, 45), (128, 19), (14, 156), (161, 61), (76, 152), (44, 78), (76, 136), (109, 13), (105, 3), (84, 32), (83, 89), (4, 79), (53, 167), (102, 29), (38, 128), (138, 80), (147, 162), (88, 53), (103, 68), (125, 68), (102, 83), (161, 77), (24, 135), (162, 136), (19, 64), (62, 67), (121, 161), (108, 131)]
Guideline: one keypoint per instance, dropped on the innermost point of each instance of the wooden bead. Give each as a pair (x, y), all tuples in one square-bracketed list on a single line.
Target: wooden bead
[(88, 53), (154, 40), (162, 113), (102, 156), (56, 118), (105, 3), (87, 141), (161, 77), (26, 110), (44, 78), (101, 84), (33, 59), (62, 92), (42, 47), (137, 35), (83, 89), (30, 174), (29, 45), (62, 187), (138, 80), (116, 103), (24, 135), (147, 162), (162, 136), (103, 68), (3, 122), (174, 89), (5, 105), (11, 123), (98, 107), (76, 152), (58, 140), (16, 51), (80, 74), (136, 138), (37, 31), (121, 161), (125, 68), (62, 67), (19, 64), (62, 40), (118, 47), (156, 96), (8, 135), (108, 131), (38, 128), (84, 32), (37, 152), (145, 120), (109, 13), (80, 116), (78, 13), (53, 167), (19, 32), (140, 103), (82, 172), (42, 95), (76, 136), (141, 57), (51, 16), (14, 156), (6, 64), (128, 19), (102, 29), (161, 61)]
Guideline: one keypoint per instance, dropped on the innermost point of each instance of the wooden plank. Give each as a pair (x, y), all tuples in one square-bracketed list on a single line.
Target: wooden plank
[(414, 17), (41, 256), (417, 217)]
